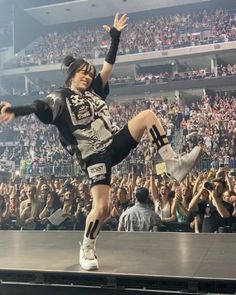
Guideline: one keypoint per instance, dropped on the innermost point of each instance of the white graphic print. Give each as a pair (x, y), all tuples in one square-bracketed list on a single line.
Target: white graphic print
[(97, 170), (54, 100), (52, 97), (89, 113), (80, 109)]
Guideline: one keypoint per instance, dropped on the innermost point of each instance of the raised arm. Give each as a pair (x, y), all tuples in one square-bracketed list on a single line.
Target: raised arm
[(229, 180), (153, 189), (196, 183), (118, 26), (217, 202), (196, 198)]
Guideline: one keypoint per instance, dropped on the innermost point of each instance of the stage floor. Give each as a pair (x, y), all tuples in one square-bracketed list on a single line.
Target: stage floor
[(174, 255)]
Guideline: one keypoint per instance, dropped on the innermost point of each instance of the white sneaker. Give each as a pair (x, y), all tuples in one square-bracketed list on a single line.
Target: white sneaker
[(88, 259), (179, 167)]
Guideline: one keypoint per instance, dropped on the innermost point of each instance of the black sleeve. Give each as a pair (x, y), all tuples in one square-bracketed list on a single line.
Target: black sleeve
[(97, 87), (40, 108), (56, 103), (43, 111), (202, 208), (228, 207), (47, 110)]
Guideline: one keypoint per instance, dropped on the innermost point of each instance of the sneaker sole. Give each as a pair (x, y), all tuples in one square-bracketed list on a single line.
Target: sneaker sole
[(193, 165), (89, 268)]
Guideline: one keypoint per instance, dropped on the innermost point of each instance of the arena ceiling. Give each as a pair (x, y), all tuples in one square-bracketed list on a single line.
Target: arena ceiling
[(79, 10)]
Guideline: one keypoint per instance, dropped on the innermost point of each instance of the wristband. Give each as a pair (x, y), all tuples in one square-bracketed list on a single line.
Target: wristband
[(115, 39)]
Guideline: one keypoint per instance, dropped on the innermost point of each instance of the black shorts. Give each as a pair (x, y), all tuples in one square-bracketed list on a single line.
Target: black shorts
[(98, 167)]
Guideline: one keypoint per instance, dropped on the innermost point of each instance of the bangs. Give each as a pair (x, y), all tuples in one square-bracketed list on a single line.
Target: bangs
[(87, 68), (77, 66)]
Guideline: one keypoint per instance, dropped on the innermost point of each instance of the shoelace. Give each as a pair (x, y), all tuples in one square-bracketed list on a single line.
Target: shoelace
[(89, 252)]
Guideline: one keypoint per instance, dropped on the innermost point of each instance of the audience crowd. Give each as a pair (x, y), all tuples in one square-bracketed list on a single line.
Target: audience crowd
[(34, 148), (143, 35), (41, 187), (41, 88), (44, 179), (228, 70), (212, 123), (203, 202)]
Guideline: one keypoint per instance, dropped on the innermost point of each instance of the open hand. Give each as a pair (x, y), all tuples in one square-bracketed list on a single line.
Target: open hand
[(4, 115), (119, 23)]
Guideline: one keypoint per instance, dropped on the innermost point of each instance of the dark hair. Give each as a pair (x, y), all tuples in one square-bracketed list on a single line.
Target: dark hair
[(72, 65), (56, 199), (123, 189), (3, 205), (171, 194), (142, 195), (220, 180)]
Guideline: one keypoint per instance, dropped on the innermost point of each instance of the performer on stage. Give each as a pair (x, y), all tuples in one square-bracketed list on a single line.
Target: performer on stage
[(81, 115)]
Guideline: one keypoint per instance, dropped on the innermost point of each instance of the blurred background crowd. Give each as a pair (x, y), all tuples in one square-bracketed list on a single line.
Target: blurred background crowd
[(43, 178), (34, 149), (38, 178), (142, 35), (205, 202)]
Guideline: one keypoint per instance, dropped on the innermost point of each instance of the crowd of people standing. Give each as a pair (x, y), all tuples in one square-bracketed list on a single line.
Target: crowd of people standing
[(143, 35), (28, 199)]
